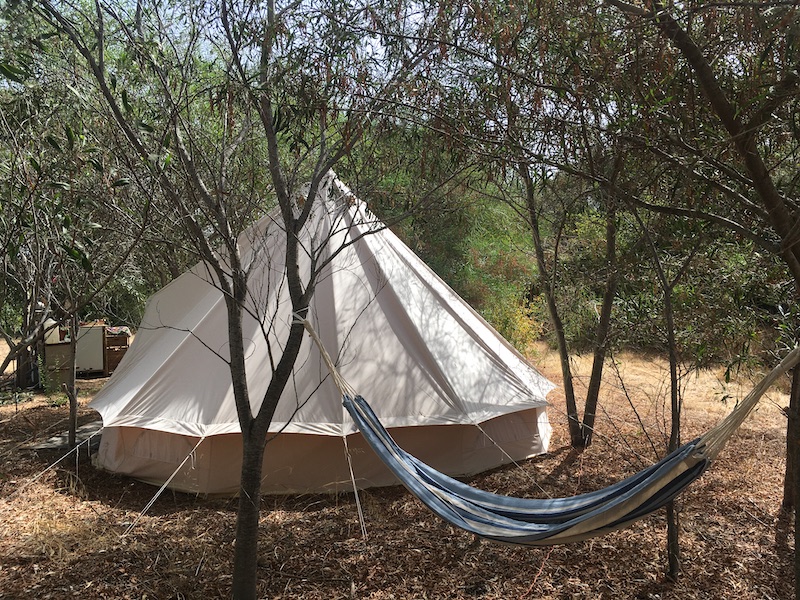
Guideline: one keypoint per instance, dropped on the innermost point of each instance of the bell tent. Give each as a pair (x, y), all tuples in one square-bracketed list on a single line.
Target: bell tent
[(453, 392)]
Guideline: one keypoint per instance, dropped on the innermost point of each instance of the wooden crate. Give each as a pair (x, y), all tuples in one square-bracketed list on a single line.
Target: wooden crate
[(116, 346)]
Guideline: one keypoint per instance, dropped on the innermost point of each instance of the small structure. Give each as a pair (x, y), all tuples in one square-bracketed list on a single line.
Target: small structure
[(99, 350), (90, 353)]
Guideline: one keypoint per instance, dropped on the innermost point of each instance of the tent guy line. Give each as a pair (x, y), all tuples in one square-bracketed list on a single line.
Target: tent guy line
[(85, 442), (160, 491)]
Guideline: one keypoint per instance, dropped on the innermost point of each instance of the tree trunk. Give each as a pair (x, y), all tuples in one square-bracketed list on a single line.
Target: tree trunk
[(796, 553), (790, 478), (72, 393), (603, 329), (245, 564), (673, 530), (573, 419), (673, 523), (26, 374), (673, 543)]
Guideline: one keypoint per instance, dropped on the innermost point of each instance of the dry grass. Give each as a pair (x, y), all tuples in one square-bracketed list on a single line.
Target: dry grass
[(61, 536)]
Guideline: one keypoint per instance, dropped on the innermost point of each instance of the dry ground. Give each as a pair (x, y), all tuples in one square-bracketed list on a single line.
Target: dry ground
[(62, 535)]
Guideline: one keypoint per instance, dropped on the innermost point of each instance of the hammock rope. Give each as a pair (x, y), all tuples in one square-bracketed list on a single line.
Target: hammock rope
[(345, 389), (714, 440), (544, 522)]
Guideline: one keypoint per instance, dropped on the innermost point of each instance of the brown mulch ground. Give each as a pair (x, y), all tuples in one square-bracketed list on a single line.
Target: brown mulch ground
[(61, 536)]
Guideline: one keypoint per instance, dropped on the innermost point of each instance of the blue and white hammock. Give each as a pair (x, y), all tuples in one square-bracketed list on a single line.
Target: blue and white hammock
[(544, 522), (532, 522)]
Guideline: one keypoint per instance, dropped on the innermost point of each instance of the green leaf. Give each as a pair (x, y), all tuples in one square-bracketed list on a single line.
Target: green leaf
[(13, 73), (61, 185), (35, 165), (72, 252), (53, 142), (125, 103), (146, 127), (70, 136), (78, 255), (121, 182)]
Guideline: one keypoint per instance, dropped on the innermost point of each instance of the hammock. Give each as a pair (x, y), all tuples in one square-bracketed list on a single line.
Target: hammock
[(544, 522), (531, 522)]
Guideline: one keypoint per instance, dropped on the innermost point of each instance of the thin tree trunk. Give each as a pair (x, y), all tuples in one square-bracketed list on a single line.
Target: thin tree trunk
[(245, 564), (673, 529), (74, 330), (673, 521), (573, 419), (673, 542), (790, 483), (603, 329), (796, 542)]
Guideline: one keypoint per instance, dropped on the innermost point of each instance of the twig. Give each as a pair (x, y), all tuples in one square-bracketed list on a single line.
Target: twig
[(538, 573)]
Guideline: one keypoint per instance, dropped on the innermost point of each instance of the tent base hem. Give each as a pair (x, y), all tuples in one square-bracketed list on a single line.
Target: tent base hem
[(303, 463)]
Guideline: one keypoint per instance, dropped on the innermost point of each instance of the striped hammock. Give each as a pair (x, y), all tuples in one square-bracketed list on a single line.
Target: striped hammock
[(544, 522), (532, 522)]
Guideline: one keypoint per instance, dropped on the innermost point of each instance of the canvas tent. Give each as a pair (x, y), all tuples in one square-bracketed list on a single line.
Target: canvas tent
[(451, 390)]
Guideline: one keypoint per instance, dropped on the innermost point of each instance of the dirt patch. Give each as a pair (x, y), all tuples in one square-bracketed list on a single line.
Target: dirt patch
[(63, 534), (8, 373)]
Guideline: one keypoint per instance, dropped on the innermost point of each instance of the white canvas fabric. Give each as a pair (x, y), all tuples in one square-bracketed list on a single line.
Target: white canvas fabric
[(435, 372)]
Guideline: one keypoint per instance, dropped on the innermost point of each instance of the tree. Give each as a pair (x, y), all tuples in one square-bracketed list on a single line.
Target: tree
[(747, 101), (291, 87), (64, 232), (523, 110), (589, 95)]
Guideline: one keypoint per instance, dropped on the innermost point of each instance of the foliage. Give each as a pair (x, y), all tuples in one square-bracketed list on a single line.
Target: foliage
[(69, 212), (15, 398), (726, 301), (57, 400), (482, 250)]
